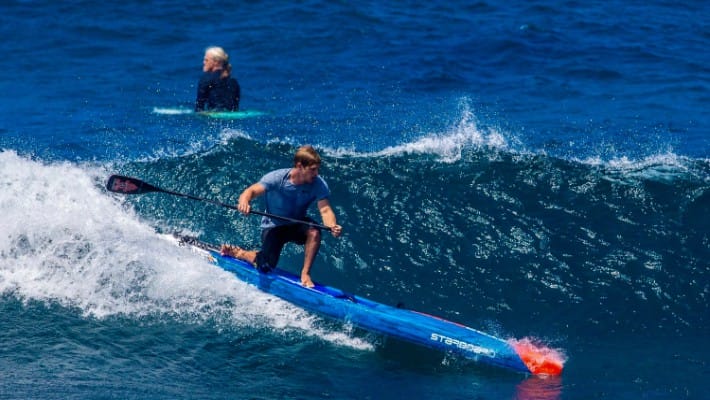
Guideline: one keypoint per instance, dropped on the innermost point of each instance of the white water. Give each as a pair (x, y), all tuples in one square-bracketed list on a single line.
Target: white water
[(65, 240)]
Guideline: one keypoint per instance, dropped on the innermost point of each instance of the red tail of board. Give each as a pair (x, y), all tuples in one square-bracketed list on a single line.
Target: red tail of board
[(540, 360)]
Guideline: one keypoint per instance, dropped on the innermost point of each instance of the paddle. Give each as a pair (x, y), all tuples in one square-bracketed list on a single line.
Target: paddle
[(128, 185)]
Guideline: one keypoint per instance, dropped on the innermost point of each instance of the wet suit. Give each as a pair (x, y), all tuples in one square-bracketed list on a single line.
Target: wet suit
[(217, 94)]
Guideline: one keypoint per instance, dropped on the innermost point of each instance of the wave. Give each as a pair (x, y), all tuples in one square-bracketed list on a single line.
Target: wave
[(468, 138), (501, 225), (67, 242), (551, 230), (447, 146), (666, 167)]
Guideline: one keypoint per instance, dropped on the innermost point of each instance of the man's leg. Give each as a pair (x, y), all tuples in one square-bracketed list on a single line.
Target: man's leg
[(273, 241), (311, 247)]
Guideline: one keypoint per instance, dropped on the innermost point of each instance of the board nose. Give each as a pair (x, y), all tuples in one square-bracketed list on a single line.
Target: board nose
[(540, 360)]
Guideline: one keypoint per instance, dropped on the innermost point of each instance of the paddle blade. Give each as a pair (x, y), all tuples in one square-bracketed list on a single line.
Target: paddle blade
[(128, 185)]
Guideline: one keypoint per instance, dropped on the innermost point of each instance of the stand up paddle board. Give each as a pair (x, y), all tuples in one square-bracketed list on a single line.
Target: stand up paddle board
[(408, 325)]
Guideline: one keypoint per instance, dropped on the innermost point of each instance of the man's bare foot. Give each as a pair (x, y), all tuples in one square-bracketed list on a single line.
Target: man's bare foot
[(306, 281), (229, 250), (237, 252)]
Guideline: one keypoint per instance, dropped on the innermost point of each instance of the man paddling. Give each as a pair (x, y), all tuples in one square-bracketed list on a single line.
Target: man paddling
[(288, 192)]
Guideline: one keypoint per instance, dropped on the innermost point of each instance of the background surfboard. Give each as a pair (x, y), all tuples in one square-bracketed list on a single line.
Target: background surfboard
[(211, 114)]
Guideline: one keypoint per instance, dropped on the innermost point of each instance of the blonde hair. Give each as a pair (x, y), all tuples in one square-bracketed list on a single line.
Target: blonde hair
[(306, 155), (218, 54)]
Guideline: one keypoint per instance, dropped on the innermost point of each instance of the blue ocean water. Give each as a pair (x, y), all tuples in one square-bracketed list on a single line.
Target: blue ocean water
[(530, 170)]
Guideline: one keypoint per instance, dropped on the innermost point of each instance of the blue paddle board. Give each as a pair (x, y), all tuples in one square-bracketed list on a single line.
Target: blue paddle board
[(408, 325)]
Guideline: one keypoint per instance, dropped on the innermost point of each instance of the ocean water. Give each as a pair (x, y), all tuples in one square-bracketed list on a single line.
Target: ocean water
[(532, 170)]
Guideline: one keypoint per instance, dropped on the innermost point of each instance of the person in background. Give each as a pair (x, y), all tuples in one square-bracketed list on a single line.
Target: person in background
[(217, 89), (288, 192)]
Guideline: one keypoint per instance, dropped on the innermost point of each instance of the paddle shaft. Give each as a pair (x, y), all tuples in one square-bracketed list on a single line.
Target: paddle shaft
[(121, 184)]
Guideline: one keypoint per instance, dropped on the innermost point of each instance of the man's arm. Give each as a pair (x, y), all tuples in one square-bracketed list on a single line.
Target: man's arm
[(202, 94), (328, 216), (247, 195)]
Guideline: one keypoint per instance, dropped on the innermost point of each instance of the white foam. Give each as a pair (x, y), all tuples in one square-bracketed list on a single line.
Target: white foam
[(205, 144), (449, 145), (666, 167), (66, 241), (228, 134)]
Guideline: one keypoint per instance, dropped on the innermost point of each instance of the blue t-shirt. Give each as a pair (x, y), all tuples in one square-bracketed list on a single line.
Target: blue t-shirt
[(286, 199)]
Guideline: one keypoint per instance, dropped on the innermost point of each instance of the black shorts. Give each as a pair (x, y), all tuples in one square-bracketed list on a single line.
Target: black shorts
[(273, 241)]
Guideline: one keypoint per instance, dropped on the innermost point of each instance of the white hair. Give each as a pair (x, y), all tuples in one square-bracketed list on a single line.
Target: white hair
[(218, 54)]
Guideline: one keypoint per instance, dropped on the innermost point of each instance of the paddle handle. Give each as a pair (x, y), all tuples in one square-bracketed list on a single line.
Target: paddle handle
[(265, 214)]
